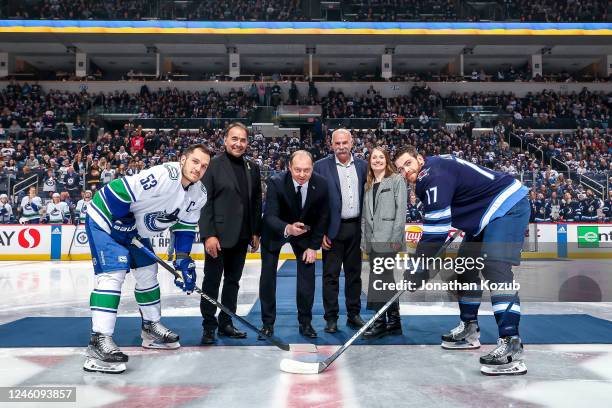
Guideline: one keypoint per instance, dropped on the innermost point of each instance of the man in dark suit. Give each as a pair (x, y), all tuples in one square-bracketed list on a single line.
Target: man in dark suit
[(297, 213), (230, 222), (345, 176)]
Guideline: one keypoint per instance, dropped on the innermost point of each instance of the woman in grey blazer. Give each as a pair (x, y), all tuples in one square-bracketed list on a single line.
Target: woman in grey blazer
[(382, 235)]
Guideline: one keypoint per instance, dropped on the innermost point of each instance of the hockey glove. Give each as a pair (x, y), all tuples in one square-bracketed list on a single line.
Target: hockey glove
[(124, 229), (186, 266)]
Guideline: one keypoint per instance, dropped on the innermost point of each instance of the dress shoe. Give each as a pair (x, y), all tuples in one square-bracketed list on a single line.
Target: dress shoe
[(377, 330), (208, 337), (265, 333), (355, 322), (306, 330), (230, 331), (331, 326), (394, 321)]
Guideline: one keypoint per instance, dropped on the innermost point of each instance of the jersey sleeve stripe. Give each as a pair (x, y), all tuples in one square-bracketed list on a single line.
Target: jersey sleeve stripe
[(99, 205), (118, 189), (436, 229), (115, 206), (188, 222), (440, 221), (497, 207), (127, 186), (102, 215), (434, 215)]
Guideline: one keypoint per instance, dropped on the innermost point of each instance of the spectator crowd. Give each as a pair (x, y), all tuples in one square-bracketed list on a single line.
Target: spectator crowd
[(36, 141), (297, 10)]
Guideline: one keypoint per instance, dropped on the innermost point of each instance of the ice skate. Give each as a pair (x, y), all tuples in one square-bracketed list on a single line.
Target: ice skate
[(506, 359), (464, 336), (157, 336), (104, 356)]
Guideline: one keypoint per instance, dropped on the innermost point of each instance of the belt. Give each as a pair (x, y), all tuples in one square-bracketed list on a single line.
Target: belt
[(349, 220)]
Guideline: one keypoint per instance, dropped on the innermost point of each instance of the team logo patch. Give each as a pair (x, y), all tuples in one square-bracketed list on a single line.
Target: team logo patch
[(172, 171), (160, 220), (122, 259), (424, 173)]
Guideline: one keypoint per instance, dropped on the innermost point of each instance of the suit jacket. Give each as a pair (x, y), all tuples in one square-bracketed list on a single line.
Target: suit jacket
[(385, 223), (282, 209), (326, 167), (223, 213)]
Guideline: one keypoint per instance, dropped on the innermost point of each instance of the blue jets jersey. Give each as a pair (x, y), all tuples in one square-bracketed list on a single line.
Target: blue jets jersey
[(461, 194)]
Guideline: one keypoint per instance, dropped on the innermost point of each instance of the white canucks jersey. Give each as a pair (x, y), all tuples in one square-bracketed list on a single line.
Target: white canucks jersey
[(81, 209), (57, 212), (31, 209), (155, 196), (6, 212)]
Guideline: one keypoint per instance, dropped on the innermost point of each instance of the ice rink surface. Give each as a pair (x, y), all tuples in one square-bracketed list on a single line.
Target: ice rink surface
[(560, 375)]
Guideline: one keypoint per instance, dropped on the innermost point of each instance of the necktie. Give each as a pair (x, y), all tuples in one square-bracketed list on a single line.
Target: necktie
[(299, 197)]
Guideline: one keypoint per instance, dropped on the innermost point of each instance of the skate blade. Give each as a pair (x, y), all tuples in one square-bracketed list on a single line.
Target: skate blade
[(514, 368), (155, 345), (160, 346), (94, 365), (463, 346)]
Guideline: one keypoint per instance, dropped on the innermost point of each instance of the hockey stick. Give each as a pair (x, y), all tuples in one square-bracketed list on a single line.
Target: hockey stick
[(76, 228), (301, 367), (304, 348)]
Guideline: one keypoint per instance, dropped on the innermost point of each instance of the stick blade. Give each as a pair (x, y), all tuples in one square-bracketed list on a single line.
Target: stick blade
[(303, 348), (299, 367)]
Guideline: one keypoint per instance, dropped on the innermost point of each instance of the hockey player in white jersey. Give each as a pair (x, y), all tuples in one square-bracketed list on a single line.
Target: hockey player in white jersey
[(145, 204), (80, 212), (6, 210), (56, 212), (30, 208)]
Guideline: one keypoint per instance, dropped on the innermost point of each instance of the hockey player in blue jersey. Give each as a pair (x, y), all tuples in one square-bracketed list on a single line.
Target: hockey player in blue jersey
[(493, 210)]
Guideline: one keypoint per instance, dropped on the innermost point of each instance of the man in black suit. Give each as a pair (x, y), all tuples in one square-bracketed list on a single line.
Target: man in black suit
[(230, 222), (296, 212)]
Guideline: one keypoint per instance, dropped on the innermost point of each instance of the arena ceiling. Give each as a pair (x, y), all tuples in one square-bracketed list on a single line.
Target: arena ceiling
[(208, 53)]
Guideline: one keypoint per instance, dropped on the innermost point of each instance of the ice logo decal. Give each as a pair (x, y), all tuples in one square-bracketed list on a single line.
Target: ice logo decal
[(160, 220), (29, 238)]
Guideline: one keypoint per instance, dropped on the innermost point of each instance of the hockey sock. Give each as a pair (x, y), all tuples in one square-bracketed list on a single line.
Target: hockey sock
[(147, 292), (104, 301), (468, 308), (507, 319)]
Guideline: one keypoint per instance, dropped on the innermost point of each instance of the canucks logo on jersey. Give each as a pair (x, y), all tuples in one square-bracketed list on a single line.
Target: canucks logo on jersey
[(160, 220)]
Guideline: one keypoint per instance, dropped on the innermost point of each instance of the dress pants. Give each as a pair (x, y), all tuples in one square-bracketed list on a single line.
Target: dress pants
[(305, 288), (228, 264), (345, 254)]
